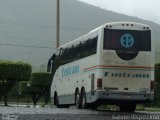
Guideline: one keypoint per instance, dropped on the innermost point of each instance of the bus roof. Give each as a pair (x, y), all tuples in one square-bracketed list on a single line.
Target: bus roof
[(126, 25), (111, 25), (76, 40)]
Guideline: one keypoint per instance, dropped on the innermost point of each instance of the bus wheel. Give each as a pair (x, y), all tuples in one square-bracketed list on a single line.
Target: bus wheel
[(77, 99), (130, 107), (83, 99)]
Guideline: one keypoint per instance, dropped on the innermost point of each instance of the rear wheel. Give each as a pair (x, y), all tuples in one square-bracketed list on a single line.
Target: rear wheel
[(83, 101), (77, 99)]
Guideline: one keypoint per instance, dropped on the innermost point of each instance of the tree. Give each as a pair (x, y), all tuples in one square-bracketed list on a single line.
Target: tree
[(35, 92), (43, 82), (40, 86), (157, 84), (10, 74)]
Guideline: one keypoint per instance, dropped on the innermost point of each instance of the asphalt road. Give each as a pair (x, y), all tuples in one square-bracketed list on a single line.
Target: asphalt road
[(22, 113)]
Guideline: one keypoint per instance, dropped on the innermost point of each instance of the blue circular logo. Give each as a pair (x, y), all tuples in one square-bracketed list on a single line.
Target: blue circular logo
[(127, 40)]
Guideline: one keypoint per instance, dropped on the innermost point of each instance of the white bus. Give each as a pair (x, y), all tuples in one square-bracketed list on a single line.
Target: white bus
[(113, 64)]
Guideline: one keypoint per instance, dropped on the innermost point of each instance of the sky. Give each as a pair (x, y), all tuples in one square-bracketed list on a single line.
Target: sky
[(145, 9)]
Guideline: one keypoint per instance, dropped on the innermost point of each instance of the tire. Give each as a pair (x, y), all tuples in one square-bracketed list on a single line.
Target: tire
[(77, 99), (130, 107), (83, 101)]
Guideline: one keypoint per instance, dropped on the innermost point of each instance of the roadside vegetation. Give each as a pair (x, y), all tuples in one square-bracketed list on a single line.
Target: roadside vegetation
[(157, 86), (37, 87), (18, 84), (12, 73)]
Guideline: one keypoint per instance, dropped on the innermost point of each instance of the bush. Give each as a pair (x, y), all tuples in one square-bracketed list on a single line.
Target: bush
[(10, 74), (43, 82), (41, 79), (17, 71), (157, 84), (23, 89), (39, 86)]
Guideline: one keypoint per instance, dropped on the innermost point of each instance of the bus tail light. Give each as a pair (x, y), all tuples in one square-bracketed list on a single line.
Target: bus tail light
[(99, 83), (152, 84)]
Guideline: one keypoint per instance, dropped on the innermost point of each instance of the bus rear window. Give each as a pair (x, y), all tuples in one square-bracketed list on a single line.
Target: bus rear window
[(131, 40)]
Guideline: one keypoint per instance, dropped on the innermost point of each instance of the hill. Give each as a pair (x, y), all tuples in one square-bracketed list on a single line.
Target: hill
[(28, 27)]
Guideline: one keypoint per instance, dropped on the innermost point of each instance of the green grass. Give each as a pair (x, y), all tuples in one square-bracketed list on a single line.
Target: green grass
[(108, 107), (154, 109), (138, 108)]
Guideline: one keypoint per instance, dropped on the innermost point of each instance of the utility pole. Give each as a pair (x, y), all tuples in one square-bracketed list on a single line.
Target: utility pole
[(58, 24)]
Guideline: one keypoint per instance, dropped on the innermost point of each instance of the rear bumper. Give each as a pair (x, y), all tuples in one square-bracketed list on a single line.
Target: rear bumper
[(115, 97)]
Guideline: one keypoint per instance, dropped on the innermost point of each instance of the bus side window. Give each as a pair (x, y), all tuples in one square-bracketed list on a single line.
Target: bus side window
[(80, 50)]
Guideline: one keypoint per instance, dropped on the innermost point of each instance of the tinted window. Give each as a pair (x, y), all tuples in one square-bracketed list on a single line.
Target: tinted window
[(78, 51), (131, 40)]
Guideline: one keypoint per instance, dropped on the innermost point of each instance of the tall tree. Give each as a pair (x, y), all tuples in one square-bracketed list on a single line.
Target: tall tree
[(40, 86), (10, 74)]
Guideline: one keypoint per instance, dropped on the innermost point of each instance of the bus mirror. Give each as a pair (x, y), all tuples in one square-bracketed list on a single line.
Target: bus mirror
[(49, 66), (50, 61)]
